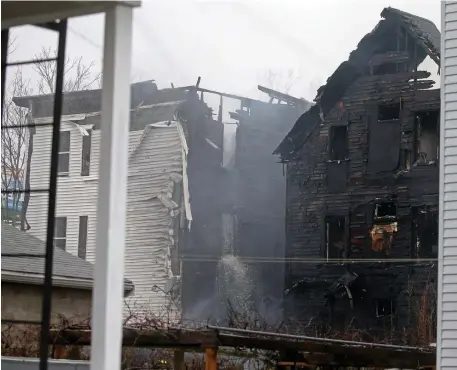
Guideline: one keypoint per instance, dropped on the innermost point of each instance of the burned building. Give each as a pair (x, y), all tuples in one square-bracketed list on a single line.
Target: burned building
[(168, 134), (362, 190), (238, 200)]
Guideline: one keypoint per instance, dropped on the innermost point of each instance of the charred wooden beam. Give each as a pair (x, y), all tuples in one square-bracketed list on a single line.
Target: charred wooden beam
[(393, 77), (274, 94), (246, 101)]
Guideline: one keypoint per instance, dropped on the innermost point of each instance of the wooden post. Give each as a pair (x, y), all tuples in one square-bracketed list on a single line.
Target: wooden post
[(211, 359), (178, 360)]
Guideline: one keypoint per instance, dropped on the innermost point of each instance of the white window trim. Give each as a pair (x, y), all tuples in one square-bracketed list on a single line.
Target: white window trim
[(61, 238)]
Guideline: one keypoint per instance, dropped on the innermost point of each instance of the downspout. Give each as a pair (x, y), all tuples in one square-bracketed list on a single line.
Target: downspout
[(32, 130)]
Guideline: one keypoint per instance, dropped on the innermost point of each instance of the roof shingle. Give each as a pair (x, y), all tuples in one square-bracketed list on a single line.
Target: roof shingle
[(23, 254)]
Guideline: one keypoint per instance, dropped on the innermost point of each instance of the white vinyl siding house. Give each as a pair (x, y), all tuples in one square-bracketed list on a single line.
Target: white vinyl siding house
[(447, 280), (157, 168)]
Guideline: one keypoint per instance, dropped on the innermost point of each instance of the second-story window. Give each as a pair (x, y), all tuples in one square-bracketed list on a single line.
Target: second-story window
[(427, 136), (60, 232), (64, 154), (338, 143), (85, 156)]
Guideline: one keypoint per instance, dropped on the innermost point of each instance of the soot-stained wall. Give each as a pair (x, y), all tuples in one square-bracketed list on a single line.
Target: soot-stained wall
[(376, 201)]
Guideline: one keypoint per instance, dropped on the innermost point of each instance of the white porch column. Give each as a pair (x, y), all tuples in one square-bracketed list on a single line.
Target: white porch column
[(112, 191)]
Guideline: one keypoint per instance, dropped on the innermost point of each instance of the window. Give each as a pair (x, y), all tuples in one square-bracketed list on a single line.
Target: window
[(82, 241), (427, 136), (406, 160), (338, 143), (64, 154), (335, 243), (425, 239), (389, 112), (387, 210), (60, 232), (385, 307), (85, 156)]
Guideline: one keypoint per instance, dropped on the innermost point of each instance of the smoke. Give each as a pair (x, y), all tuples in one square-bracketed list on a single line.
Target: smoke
[(252, 224)]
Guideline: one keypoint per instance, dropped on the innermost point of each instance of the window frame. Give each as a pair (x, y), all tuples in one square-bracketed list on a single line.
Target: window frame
[(55, 237), (85, 169), (62, 153)]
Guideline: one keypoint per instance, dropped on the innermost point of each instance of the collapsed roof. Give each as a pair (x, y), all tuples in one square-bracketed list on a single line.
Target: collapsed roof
[(423, 31)]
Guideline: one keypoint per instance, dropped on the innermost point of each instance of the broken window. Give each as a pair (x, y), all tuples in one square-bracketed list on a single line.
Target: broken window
[(384, 227), (386, 210), (335, 237), (389, 112), (338, 143), (384, 138), (425, 239), (385, 307), (85, 156), (427, 136)]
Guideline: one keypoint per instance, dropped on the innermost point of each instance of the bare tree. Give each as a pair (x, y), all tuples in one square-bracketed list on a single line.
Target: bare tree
[(280, 81), (78, 76), (14, 140)]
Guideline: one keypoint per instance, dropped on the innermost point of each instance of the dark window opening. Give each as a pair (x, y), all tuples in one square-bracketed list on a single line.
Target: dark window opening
[(64, 154), (338, 143), (388, 112), (82, 240), (335, 231), (60, 232), (386, 210), (425, 240), (385, 307), (406, 159), (85, 156), (427, 136), (389, 68)]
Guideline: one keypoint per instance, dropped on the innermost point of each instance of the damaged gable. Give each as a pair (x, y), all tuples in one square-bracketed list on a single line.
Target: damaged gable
[(426, 38)]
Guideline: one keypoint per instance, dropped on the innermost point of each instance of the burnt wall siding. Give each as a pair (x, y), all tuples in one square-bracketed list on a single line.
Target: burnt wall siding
[(310, 198)]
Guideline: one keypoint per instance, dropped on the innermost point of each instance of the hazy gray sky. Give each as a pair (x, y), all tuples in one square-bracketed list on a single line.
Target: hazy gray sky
[(232, 44)]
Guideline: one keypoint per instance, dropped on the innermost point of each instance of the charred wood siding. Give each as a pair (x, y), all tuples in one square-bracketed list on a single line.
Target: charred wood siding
[(381, 165)]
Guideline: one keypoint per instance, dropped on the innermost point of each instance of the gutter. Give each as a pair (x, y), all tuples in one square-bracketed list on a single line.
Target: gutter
[(57, 281)]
